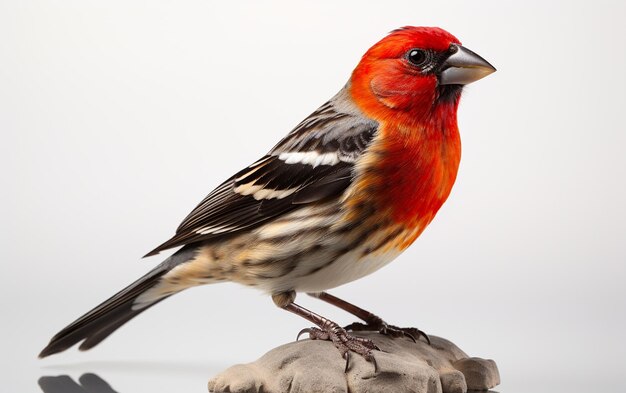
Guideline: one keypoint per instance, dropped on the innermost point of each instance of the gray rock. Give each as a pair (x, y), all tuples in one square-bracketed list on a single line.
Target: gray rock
[(310, 366)]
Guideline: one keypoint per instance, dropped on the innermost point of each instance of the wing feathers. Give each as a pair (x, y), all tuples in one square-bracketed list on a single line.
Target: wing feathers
[(314, 162)]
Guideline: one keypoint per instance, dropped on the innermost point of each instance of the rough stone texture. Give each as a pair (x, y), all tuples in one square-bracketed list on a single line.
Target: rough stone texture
[(311, 366), (478, 372)]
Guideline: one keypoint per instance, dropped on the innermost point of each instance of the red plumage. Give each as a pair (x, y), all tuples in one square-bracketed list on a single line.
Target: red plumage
[(421, 148)]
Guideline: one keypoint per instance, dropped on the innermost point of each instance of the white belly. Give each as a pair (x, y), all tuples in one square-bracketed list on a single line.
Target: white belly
[(347, 268)]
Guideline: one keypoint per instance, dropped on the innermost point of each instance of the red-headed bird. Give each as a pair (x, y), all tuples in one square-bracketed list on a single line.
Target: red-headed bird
[(342, 195)]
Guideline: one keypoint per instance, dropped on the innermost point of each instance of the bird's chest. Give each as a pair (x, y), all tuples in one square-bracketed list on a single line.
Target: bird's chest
[(408, 178)]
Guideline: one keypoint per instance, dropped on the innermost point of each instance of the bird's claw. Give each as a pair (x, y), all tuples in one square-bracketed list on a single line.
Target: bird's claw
[(415, 334), (345, 343), (301, 332), (389, 330)]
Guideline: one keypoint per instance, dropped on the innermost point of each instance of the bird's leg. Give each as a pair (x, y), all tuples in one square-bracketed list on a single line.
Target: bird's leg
[(372, 321), (327, 330)]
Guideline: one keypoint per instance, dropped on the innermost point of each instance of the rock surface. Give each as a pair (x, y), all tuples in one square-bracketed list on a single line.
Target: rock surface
[(311, 366)]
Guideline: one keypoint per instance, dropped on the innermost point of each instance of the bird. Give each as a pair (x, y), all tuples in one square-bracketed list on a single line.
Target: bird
[(339, 197)]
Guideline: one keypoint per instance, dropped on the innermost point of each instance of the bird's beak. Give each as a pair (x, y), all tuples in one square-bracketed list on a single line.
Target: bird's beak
[(463, 67)]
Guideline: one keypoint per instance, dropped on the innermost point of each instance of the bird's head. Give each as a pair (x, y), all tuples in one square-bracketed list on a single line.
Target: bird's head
[(417, 71)]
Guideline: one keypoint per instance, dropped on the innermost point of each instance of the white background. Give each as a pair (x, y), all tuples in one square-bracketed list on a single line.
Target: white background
[(117, 117)]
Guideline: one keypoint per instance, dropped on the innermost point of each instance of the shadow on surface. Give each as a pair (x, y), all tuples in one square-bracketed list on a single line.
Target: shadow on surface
[(160, 375), (142, 366), (87, 383)]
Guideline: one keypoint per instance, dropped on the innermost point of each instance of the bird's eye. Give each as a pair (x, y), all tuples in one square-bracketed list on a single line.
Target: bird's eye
[(417, 57)]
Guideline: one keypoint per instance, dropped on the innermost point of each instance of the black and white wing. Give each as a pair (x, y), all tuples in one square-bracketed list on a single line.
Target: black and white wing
[(313, 163)]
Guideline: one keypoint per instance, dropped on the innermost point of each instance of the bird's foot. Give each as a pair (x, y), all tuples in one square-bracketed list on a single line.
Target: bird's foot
[(344, 342), (378, 325)]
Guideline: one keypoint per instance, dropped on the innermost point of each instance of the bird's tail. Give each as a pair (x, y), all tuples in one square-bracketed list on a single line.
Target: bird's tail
[(100, 322)]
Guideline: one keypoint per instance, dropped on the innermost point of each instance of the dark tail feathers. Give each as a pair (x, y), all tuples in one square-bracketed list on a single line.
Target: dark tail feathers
[(99, 323)]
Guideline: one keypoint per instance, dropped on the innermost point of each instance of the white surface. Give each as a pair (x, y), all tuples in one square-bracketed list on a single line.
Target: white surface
[(118, 117)]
